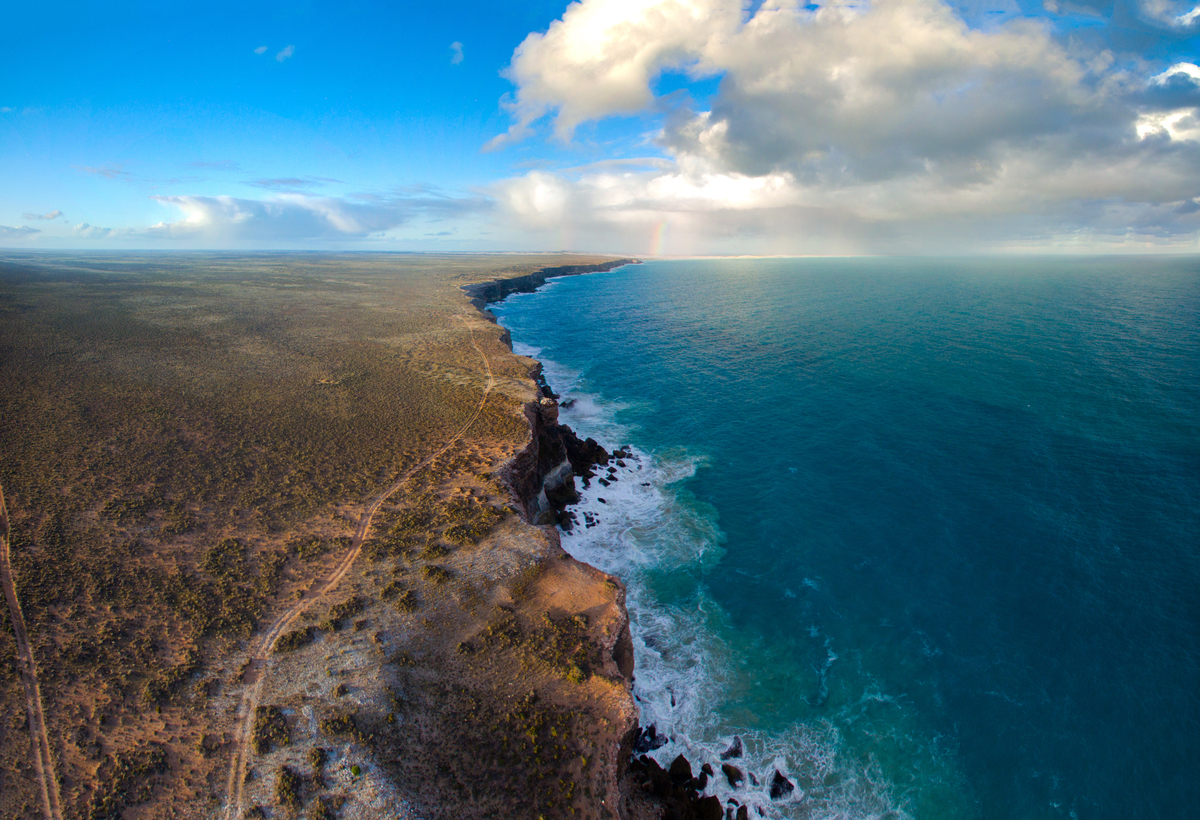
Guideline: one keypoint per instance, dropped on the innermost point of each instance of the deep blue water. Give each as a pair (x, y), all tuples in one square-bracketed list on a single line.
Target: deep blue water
[(924, 533)]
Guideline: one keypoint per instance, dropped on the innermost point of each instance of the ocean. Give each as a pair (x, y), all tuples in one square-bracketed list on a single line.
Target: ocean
[(923, 533)]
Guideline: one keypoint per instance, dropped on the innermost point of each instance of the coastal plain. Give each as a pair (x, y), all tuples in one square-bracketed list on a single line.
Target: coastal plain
[(264, 540)]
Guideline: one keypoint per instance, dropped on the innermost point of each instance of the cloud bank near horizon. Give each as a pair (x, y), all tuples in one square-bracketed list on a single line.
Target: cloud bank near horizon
[(857, 127), (299, 217)]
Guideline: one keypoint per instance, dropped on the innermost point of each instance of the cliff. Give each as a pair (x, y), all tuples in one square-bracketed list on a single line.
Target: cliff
[(493, 290), (542, 477), (325, 601)]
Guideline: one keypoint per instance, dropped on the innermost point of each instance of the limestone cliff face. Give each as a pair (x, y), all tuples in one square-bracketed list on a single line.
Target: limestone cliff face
[(496, 289), (543, 474), (542, 478)]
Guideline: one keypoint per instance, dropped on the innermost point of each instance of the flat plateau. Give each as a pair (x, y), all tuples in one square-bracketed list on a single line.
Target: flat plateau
[(268, 557)]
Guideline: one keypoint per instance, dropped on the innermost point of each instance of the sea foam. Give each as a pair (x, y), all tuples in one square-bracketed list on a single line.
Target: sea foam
[(647, 529)]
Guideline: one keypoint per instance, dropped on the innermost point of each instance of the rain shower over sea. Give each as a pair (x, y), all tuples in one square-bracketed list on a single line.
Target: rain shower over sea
[(923, 534)]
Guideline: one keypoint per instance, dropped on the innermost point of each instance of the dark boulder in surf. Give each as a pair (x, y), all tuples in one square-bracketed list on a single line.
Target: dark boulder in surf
[(675, 791), (781, 786), (648, 740), (681, 770)]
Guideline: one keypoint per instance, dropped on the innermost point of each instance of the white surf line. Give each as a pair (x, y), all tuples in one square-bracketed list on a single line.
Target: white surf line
[(43, 761), (235, 784)]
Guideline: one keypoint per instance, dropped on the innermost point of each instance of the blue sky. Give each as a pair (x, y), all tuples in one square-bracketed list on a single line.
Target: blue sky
[(628, 126)]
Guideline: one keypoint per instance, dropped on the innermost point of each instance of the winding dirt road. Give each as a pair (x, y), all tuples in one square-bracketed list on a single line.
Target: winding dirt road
[(43, 761), (257, 670)]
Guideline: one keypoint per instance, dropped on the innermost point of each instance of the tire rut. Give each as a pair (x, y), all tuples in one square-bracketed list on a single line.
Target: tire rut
[(43, 760), (235, 784)]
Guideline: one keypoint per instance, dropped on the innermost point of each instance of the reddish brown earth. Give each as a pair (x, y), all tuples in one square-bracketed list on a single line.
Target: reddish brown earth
[(260, 557)]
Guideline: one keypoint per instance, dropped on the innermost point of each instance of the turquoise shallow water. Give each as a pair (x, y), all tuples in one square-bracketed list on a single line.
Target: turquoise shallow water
[(924, 533)]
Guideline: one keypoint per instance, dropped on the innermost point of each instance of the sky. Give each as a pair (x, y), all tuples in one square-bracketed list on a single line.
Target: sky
[(642, 127)]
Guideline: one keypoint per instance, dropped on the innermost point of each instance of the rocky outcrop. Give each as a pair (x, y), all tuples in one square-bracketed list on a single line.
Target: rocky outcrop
[(542, 476), (781, 786), (675, 790)]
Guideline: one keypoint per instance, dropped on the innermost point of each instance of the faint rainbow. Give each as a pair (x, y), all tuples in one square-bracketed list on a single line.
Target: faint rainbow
[(656, 239)]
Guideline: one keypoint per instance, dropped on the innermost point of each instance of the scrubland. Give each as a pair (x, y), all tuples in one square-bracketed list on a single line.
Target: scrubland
[(187, 444)]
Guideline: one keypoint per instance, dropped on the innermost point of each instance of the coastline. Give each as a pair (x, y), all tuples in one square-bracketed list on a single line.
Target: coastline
[(463, 667), (494, 290), (542, 477), (509, 692), (514, 695)]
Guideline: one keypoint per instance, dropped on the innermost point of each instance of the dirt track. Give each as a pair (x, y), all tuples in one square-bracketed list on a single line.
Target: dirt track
[(258, 668), (43, 761)]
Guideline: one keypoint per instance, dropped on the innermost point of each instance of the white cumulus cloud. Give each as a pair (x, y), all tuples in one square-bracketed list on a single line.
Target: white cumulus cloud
[(1175, 123), (286, 52), (853, 126), (601, 57), (1168, 14), (1188, 71)]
